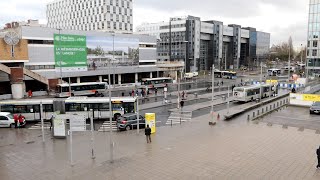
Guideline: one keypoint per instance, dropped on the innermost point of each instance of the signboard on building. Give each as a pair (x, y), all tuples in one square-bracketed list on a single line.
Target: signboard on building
[(70, 52), (112, 49)]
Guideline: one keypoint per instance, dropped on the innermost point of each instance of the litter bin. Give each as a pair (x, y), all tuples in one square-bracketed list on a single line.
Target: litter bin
[(195, 95)]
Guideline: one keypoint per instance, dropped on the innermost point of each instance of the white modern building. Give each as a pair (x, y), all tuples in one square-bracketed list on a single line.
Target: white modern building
[(152, 29), (86, 15)]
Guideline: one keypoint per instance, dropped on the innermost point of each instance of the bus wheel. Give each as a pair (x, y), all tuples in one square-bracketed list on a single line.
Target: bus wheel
[(128, 128)]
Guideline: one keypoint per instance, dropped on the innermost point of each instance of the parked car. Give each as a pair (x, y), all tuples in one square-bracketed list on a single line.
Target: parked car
[(315, 108), (6, 119), (129, 121)]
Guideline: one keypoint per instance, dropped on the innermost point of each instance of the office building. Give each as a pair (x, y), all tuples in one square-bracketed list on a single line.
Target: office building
[(203, 43), (86, 15), (313, 47)]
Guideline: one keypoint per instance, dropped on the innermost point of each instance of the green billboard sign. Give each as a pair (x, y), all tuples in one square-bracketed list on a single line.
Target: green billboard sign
[(70, 52)]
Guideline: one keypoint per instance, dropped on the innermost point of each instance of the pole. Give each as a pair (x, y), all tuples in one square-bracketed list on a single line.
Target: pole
[(228, 100), (41, 118), (185, 59), (92, 134), (114, 77), (260, 81), (212, 95), (138, 116), (71, 150), (69, 87), (178, 104), (60, 55), (307, 65), (110, 119), (301, 54), (289, 68)]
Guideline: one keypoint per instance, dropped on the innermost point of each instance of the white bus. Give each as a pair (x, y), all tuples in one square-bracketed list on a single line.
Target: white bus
[(30, 108), (151, 83), (251, 93), (80, 89), (274, 72), (229, 75)]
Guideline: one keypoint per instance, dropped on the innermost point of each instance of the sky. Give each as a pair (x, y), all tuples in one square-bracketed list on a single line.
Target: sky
[(282, 18)]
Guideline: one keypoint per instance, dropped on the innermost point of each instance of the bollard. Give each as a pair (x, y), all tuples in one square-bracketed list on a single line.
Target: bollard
[(254, 114)]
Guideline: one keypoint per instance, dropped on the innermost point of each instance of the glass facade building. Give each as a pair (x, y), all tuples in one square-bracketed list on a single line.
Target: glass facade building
[(313, 48)]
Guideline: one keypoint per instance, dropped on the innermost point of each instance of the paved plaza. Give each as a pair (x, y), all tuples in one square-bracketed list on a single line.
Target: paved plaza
[(236, 149)]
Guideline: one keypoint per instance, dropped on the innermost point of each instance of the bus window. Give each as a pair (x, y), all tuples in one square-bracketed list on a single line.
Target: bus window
[(104, 107), (20, 109), (7, 108), (128, 107), (73, 107), (117, 107), (48, 108)]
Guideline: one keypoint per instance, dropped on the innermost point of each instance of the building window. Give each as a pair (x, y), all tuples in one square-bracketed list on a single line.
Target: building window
[(314, 52), (315, 43)]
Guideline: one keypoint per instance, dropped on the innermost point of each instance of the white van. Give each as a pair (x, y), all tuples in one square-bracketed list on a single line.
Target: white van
[(6, 119)]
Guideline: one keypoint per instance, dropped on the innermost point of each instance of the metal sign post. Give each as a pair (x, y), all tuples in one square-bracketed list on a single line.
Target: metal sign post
[(138, 116), (41, 117), (77, 123), (92, 135)]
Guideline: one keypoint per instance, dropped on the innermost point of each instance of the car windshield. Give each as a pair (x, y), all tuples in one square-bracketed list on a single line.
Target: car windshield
[(10, 116)]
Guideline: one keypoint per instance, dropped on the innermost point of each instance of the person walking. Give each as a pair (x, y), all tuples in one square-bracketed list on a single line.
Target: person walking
[(147, 132), (21, 119), (221, 83), (51, 121), (318, 156), (156, 91), (16, 119), (181, 104)]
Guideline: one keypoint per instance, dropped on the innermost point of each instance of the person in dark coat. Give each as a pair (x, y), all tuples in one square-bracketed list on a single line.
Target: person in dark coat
[(181, 104), (318, 156), (147, 132)]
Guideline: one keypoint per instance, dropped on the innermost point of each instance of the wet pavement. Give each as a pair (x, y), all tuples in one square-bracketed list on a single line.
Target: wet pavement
[(236, 149), (294, 117)]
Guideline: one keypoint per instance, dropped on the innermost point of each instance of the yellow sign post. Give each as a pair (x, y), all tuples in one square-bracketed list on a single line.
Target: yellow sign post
[(151, 121)]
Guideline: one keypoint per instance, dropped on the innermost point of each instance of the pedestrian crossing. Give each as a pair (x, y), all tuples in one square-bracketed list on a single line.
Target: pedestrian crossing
[(105, 127), (179, 117), (37, 126)]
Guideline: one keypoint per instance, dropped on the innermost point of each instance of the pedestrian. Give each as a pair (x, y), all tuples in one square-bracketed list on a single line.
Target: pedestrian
[(183, 94), (16, 119), (30, 93), (147, 132), (122, 94), (181, 104), (293, 90), (21, 119), (148, 92), (156, 91), (51, 121), (318, 156), (132, 93), (221, 83)]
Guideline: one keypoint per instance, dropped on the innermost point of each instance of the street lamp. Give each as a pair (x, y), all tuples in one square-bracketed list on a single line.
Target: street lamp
[(60, 56), (111, 114), (212, 95)]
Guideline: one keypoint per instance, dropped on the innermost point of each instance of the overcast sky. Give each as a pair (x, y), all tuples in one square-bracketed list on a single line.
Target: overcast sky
[(281, 18)]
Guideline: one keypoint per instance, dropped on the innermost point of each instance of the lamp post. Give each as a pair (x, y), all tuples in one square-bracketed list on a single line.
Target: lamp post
[(212, 95), (60, 60), (114, 78), (111, 114), (301, 54), (185, 57)]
